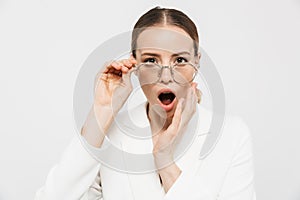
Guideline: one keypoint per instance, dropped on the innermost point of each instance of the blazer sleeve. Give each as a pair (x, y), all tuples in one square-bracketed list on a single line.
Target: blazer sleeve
[(239, 180), (75, 176), (238, 183)]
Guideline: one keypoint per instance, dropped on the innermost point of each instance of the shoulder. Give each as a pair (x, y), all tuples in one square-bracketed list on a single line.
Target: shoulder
[(234, 135), (236, 131)]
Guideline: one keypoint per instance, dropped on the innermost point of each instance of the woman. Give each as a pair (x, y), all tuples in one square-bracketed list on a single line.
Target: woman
[(165, 58)]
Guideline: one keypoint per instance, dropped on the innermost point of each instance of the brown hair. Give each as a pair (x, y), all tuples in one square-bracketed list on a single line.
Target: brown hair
[(158, 16)]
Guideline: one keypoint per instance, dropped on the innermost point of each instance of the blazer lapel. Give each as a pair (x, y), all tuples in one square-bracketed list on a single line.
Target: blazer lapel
[(132, 134)]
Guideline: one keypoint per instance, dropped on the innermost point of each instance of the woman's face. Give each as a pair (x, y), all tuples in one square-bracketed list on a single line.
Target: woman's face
[(167, 45)]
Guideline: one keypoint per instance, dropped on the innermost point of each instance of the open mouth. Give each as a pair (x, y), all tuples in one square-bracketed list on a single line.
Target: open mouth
[(166, 98)]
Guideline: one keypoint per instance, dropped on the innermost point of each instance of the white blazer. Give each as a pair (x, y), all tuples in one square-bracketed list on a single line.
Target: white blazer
[(225, 174)]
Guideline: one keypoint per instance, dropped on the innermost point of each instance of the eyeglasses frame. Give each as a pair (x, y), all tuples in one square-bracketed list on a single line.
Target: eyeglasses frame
[(196, 67)]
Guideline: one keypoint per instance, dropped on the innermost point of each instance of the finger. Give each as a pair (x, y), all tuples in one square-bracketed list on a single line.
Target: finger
[(109, 66), (116, 65), (112, 69), (122, 67), (194, 96), (189, 97), (193, 93), (132, 59), (177, 117), (102, 73), (126, 77), (198, 92), (189, 107), (194, 84), (116, 68), (193, 100), (127, 63), (199, 95)]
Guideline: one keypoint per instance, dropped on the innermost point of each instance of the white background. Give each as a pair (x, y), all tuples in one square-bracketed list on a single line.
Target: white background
[(43, 43)]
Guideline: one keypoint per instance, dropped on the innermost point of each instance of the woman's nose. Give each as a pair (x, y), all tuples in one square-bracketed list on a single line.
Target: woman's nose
[(166, 76)]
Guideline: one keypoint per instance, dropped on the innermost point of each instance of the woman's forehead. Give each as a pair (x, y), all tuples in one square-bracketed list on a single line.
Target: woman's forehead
[(169, 39)]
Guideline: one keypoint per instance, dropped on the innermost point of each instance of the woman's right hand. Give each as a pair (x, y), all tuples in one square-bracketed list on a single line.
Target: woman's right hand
[(113, 85), (112, 88)]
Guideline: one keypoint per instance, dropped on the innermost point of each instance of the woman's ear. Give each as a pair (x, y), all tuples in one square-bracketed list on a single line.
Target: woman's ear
[(198, 58)]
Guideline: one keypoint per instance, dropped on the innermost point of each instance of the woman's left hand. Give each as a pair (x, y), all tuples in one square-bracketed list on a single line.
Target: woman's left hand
[(166, 141)]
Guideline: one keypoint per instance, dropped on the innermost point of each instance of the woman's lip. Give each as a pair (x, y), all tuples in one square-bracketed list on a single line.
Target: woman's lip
[(168, 107), (165, 90)]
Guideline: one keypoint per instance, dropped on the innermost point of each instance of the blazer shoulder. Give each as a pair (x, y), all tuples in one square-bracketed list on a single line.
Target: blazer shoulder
[(235, 134), (236, 128)]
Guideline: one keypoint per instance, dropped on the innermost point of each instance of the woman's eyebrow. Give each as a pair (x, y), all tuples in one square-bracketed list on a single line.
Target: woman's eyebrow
[(150, 54), (157, 55), (180, 53)]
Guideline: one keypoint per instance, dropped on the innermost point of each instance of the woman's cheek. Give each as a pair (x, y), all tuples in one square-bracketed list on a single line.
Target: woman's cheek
[(149, 93), (182, 92)]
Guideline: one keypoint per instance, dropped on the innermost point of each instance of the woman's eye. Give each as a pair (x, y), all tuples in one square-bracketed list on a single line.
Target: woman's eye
[(181, 60), (151, 60)]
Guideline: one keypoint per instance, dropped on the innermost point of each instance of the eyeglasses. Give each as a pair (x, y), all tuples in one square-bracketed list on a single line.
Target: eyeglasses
[(182, 73)]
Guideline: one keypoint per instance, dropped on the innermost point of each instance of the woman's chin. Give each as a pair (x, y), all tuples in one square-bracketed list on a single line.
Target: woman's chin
[(165, 111), (170, 113), (169, 108)]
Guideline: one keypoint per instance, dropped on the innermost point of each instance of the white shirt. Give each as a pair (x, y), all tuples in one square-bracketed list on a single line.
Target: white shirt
[(226, 173)]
